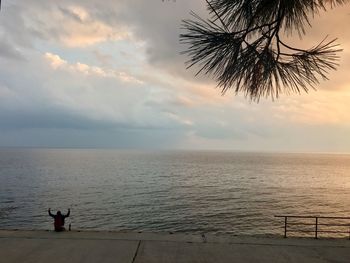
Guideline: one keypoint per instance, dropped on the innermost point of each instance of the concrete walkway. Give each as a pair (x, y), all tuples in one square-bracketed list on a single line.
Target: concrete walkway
[(100, 247)]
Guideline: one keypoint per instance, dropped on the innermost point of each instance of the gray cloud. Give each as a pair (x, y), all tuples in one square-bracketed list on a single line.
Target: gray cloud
[(7, 51), (51, 119), (71, 138), (151, 103)]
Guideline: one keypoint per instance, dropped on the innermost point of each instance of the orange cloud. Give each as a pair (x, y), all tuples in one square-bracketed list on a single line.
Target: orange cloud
[(74, 26), (89, 31), (322, 107), (57, 62)]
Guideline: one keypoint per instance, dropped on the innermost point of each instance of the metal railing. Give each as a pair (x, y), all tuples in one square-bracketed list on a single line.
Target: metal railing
[(316, 223)]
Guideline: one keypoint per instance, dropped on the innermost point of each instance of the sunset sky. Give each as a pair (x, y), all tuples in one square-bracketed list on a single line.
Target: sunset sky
[(90, 73)]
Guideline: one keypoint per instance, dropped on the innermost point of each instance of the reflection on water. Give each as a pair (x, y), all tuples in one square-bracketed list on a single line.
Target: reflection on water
[(217, 192)]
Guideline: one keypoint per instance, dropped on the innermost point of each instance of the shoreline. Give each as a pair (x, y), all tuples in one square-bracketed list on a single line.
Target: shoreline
[(183, 233)]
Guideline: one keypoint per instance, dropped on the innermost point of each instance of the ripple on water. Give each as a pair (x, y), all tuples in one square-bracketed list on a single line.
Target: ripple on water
[(214, 192)]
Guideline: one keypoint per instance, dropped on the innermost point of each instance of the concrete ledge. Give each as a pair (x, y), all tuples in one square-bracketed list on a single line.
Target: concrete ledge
[(105, 235), (91, 246)]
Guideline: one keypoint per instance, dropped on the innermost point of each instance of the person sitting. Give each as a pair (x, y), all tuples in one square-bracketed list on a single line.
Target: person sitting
[(59, 220)]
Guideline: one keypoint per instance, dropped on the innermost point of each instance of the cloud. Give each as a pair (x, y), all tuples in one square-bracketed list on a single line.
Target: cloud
[(6, 92), (78, 29), (179, 119), (71, 25), (57, 62), (109, 73), (7, 51), (318, 108), (77, 13), (55, 93), (103, 59)]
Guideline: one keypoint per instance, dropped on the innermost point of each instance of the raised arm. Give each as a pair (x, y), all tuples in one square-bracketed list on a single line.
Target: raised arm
[(50, 214), (67, 215)]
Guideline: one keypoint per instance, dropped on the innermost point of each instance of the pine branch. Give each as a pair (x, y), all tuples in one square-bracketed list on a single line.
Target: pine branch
[(243, 52)]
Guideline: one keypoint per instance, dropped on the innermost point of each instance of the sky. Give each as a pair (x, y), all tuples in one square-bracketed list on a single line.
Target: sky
[(110, 74)]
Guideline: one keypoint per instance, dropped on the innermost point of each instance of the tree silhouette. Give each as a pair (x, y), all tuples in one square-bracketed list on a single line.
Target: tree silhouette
[(241, 46)]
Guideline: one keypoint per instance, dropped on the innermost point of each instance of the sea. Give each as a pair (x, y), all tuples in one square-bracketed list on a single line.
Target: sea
[(236, 193)]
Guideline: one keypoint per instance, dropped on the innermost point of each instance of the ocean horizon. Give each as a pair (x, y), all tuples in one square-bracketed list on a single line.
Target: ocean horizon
[(170, 190)]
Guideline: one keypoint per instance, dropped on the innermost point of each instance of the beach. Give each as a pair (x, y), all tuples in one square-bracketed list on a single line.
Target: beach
[(130, 247)]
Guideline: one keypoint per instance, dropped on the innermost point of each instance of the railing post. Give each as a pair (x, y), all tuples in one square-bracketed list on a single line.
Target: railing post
[(316, 229), (285, 227)]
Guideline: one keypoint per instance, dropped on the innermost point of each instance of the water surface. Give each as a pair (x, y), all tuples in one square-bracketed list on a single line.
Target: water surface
[(212, 192)]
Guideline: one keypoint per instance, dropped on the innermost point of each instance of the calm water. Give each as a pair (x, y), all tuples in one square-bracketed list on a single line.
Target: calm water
[(215, 192)]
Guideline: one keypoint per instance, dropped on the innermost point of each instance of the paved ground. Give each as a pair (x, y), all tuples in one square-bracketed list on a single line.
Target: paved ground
[(48, 246)]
